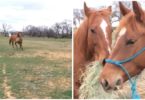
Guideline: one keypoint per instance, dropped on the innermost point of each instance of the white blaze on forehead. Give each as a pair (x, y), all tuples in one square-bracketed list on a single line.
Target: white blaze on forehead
[(121, 33), (103, 26)]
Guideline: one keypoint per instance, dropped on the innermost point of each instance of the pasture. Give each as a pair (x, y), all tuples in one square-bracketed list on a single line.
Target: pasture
[(41, 70)]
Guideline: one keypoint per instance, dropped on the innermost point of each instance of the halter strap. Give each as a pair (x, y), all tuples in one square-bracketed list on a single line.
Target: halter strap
[(119, 63)]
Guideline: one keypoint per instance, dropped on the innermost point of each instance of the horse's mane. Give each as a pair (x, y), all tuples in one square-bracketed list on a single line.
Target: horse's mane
[(80, 37)]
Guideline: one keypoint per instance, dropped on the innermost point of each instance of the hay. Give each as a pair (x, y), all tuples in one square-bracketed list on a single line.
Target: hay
[(91, 88)]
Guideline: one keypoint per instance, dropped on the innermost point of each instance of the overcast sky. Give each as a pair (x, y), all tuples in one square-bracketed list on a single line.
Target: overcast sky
[(91, 3), (96, 3), (20, 13)]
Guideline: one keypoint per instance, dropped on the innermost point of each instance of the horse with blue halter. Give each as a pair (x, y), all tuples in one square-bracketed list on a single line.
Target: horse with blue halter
[(128, 54), (92, 41), (16, 39)]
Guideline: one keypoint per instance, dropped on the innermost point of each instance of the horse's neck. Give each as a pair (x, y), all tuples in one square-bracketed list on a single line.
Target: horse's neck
[(142, 55), (80, 41)]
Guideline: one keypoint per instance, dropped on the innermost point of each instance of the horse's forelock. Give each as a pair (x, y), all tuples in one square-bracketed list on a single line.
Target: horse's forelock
[(126, 19)]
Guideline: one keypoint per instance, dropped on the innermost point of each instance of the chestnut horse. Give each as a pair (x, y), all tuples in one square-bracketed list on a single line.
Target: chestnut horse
[(130, 42), (16, 39), (92, 41)]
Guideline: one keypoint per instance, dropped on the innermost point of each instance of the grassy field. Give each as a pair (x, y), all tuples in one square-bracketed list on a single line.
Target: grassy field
[(41, 70)]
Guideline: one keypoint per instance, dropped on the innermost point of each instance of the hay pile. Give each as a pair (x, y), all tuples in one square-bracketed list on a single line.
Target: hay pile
[(91, 88)]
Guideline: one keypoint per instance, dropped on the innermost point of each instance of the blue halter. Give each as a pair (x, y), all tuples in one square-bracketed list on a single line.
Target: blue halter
[(135, 95)]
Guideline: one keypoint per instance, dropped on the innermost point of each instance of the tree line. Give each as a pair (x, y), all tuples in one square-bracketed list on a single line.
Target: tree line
[(58, 30)]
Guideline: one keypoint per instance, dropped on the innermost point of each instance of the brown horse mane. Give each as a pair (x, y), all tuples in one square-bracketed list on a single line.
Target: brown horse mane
[(80, 37)]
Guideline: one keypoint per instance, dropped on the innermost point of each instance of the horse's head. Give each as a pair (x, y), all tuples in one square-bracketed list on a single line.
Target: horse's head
[(18, 34), (99, 31), (131, 38)]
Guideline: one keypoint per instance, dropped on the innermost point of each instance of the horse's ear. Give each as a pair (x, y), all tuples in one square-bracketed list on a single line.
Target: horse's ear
[(124, 10), (86, 10), (110, 9), (140, 15)]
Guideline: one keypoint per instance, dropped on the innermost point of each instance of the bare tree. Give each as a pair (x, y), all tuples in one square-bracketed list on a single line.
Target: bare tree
[(78, 15), (5, 29), (66, 28), (63, 29), (58, 30)]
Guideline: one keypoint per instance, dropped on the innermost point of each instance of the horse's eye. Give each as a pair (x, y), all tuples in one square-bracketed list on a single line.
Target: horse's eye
[(92, 30), (130, 41)]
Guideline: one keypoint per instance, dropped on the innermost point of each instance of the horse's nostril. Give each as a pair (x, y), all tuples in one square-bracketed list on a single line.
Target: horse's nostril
[(105, 84), (115, 88), (118, 82)]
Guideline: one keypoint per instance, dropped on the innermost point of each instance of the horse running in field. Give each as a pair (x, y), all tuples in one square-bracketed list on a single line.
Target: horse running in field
[(92, 41), (16, 39), (128, 55)]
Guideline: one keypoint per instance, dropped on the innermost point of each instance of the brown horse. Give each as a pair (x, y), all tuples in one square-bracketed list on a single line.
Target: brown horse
[(92, 41), (16, 39), (130, 40)]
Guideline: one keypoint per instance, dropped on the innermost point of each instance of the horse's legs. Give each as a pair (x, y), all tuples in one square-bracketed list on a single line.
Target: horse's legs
[(12, 44), (21, 46), (16, 45)]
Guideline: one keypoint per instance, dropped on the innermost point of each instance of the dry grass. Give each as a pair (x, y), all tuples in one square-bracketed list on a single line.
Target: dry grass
[(45, 53), (42, 70)]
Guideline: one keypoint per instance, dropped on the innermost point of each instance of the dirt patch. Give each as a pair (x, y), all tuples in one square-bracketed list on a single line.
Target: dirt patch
[(53, 55), (51, 85), (64, 83), (7, 88), (46, 54)]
